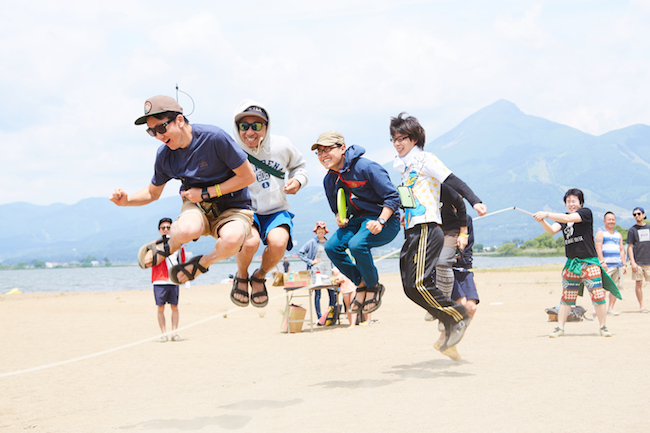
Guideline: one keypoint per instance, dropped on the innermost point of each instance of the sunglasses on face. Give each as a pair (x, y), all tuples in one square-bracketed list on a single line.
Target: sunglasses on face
[(637, 213), (159, 129), (324, 150), (165, 227), (257, 126)]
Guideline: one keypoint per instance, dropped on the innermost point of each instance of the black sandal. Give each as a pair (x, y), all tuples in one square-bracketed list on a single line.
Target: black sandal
[(236, 290), (194, 261), (357, 303), (152, 246), (378, 291), (258, 294)]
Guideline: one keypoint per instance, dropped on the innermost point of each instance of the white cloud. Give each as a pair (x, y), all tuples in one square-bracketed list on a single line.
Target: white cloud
[(76, 75)]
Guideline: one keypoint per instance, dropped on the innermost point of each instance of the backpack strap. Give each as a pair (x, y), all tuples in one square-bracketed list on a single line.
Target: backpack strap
[(267, 168)]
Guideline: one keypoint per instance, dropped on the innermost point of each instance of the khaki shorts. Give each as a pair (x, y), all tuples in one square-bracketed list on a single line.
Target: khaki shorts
[(211, 225), (616, 274), (642, 271), (451, 240)]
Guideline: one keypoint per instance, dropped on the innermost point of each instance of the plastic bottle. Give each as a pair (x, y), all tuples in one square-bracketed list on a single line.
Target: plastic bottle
[(319, 278)]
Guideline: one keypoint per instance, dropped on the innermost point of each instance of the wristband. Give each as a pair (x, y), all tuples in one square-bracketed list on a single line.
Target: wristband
[(218, 188), (463, 235)]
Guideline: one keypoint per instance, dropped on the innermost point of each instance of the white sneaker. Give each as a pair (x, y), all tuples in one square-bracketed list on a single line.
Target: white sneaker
[(613, 313), (557, 332), (605, 332)]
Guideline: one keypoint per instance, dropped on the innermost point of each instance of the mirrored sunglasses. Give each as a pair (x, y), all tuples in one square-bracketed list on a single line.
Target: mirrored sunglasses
[(257, 126)]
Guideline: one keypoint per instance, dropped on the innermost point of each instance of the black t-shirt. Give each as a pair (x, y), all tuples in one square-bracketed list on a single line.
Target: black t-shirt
[(579, 237), (452, 209), (639, 237)]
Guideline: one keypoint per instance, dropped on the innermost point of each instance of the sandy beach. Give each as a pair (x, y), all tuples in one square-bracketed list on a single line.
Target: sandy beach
[(235, 371)]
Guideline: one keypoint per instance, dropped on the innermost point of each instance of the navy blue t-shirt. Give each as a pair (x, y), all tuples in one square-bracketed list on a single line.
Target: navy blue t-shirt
[(209, 159)]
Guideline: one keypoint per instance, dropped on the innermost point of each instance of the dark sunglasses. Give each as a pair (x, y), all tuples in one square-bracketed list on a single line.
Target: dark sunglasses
[(165, 227), (637, 213), (257, 126), (160, 129)]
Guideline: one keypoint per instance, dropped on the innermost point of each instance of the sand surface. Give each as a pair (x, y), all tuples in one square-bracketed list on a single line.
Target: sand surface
[(235, 370)]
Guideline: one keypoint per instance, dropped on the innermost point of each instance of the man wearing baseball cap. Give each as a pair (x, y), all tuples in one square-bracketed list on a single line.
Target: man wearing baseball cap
[(638, 249), (214, 173), (372, 218)]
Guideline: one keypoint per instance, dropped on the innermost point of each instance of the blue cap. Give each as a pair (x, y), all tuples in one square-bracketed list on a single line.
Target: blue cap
[(638, 208)]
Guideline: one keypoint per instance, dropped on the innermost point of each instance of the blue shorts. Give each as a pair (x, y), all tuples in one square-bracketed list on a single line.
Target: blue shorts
[(464, 286), (266, 223), (165, 294)]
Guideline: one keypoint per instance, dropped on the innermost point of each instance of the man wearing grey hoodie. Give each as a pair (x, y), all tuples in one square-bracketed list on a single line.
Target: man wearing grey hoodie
[(274, 158)]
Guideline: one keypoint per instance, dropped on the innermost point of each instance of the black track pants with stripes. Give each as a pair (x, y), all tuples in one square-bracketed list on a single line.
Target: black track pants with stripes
[(417, 266)]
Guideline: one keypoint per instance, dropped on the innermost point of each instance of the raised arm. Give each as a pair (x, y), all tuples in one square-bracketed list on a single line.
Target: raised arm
[(556, 227), (461, 187), (140, 198)]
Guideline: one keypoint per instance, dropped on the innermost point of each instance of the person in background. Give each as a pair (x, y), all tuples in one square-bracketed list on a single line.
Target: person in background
[(314, 255), (286, 265), (464, 291), (638, 250), (611, 254), (164, 291)]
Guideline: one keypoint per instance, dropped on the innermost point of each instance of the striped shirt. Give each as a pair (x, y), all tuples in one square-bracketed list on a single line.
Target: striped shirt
[(612, 249)]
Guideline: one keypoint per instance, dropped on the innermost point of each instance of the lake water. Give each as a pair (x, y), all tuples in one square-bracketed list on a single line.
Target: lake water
[(114, 278)]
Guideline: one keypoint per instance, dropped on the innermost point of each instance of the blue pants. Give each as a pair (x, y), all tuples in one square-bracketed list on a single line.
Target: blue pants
[(332, 295), (358, 239)]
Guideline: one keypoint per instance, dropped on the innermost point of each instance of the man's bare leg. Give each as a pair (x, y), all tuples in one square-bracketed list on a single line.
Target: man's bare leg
[(612, 302), (601, 313), (161, 319), (186, 228), (230, 240), (276, 240), (175, 316), (244, 259), (638, 288)]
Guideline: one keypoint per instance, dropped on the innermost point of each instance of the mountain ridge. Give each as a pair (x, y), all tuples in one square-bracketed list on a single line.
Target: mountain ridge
[(507, 157)]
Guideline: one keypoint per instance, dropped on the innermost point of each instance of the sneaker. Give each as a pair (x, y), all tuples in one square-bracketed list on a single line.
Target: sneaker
[(450, 352), (613, 313), (558, 332), (428, 317), (456, 333), (604, 332)]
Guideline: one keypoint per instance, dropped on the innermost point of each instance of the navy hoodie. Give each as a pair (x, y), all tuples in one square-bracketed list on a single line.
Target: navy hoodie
[(367, 186)]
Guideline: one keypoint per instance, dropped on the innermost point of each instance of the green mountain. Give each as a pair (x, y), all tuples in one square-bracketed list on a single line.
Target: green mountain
[(513, 159), (507, 157)]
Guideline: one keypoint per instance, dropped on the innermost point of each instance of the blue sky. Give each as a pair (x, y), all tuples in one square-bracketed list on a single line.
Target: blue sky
[(74, 75)]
